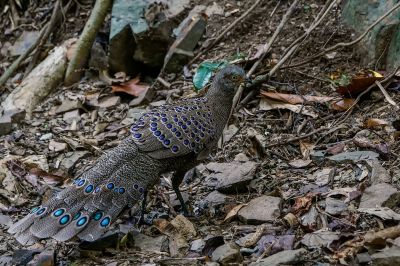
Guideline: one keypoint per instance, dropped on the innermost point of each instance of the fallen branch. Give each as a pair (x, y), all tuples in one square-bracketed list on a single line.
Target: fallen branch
[(86, 40), (386, 94), (342, 44), (267, 47), (220, 36), (44, 33)]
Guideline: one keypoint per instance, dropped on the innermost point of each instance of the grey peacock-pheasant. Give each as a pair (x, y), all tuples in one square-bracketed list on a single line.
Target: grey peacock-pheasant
[(171, 138)]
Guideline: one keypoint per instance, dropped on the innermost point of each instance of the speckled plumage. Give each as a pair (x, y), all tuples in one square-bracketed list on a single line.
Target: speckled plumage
[(170, 138)]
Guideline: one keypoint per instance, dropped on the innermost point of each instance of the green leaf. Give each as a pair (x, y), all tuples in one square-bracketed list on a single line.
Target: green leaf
[(204, 73)]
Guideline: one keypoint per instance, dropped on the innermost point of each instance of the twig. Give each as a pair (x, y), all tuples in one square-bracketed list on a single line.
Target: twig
[(220, 36), (267, 47), (163, 82), (53, 21), (302, 137), (386, 94), (293, 47), (14, 66), (341, 44)]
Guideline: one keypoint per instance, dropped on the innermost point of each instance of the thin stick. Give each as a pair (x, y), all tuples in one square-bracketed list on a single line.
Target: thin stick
[(342, 44), (43, 34), (268, 45), (386, 94), (216, 40)]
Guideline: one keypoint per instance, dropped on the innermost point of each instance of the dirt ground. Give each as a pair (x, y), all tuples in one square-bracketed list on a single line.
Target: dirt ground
[(316, 193)]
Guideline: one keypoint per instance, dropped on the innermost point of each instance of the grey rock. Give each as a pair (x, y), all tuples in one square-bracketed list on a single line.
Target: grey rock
[(68, 105), (260, 210), (174, 200), (354, 156), (286, 257), (230, 132), (380, 195), (150, 244), (72, 158), (335, 206), (46, 136), (241, 157), (215, 198), (197, 245), (378, 173), (71, 116), (227, 253), (387, 257), (5, 125), (230, 177)]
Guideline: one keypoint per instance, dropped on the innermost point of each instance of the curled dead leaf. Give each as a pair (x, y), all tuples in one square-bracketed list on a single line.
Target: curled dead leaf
[(233, 212), (342, 105), (132, 87), (296, 99), (375, 122)]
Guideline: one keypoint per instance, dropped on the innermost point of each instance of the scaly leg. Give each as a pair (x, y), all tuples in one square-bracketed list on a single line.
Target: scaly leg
[(176, 181)]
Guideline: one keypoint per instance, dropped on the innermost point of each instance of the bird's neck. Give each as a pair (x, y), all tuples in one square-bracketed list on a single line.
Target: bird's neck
[(222, 103)]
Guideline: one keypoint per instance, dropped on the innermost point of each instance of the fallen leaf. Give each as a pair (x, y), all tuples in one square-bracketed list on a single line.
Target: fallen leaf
[(335, 149), (384, 213), (233, 212), (267, 104), (358, 83), (300, 163), (375, 122), (132, 87), (302, 204), (342, 105), (306, 148), (204, 73), (296, 99)]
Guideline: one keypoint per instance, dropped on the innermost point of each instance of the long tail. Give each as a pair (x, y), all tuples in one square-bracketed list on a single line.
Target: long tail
[(88, 206)]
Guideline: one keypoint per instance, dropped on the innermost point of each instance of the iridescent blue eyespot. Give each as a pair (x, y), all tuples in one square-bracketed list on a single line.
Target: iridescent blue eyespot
[(161, 137), (178, 134), (195, 130), (135, 186), (97, 216), (167, 142), (186, 142), (184, 126), (110, 185), (195, 123), (192, 135), (174, 148), (164, 119), (141, 190), (121, 190), (176, 119), (65, 219), (153, 129), (97, 190), (173, 130), (180, 123), (89, 188), (163, 115), (197, 139), (202, 134), (82, 221), (81, 183), (77, 215), (35, 209), (41, 211), (184, 118), (116, 189), (188, 123), (134, 128), (153, 124), (76, 181), (58, 212), (137, 135), (169, 125), (153, 119), (193, 144), (157, 133), (105, 222)]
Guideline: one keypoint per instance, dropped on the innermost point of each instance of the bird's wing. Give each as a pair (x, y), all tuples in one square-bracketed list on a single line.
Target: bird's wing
[(175, 130)]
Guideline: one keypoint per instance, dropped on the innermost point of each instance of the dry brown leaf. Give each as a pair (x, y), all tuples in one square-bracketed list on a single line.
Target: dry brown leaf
[(300, 163), (132, 87), (296, 99), (233, 212), (342, 105), (375, 122), (335, 149), (306, 148), (360, 82), (302, 204)]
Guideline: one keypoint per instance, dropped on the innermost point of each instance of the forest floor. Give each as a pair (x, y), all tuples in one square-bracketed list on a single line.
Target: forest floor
[(308, 180)]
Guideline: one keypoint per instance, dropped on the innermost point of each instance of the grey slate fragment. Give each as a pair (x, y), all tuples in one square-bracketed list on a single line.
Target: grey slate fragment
[(380, 195), (286, 257), (227, 253), (260, 210)]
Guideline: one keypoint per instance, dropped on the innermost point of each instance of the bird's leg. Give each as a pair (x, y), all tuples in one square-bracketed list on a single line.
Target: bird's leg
[(176, 181), (143, 208)]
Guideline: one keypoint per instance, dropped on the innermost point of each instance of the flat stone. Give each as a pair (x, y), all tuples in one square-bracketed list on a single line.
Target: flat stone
[(108, 101), (197, 245), (215, 198), (68, 105), (230, 132), (260, 210), (380, 195), (71, 116), (72, 158), (46, 136), (150, 244), (230, 177), (227, 253), (174, 199), (5, 125), (378, 173), (286, 257), (241, 157), (354, 156), (389, 256), (335, 206), (57, 146)]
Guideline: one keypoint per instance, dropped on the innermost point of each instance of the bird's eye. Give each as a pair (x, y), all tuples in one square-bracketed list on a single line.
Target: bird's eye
[(234, 77)]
